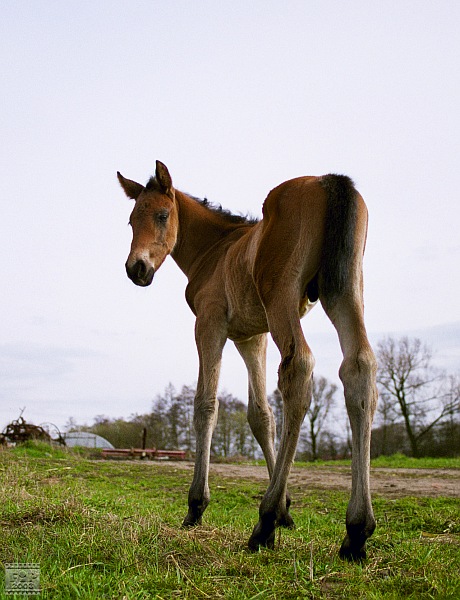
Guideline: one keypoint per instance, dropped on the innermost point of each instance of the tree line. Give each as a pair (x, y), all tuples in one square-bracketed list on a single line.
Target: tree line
[(418, 414)]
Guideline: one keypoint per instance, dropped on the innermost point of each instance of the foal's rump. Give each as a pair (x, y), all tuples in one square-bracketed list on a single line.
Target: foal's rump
[(314, 229)]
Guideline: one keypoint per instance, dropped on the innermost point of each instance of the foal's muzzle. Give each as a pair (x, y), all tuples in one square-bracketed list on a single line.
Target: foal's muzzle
[(140, 273)]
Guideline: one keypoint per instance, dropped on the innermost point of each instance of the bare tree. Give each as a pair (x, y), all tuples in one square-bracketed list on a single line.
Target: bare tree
[(186, 400), (383, 437), (416, 390), (158, 424), (276, 402), (232, 434), (450, 435), (323, 398)]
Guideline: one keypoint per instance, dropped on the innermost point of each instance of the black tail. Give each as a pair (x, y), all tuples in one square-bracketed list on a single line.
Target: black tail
[(339, 236)]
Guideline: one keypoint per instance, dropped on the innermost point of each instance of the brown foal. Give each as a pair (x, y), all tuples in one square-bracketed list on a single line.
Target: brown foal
[(247, 278)]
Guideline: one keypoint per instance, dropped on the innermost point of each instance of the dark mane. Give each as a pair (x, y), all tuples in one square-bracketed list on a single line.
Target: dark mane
[(226, 215)]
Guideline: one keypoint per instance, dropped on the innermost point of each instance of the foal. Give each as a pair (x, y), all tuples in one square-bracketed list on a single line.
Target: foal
[(247, 278)]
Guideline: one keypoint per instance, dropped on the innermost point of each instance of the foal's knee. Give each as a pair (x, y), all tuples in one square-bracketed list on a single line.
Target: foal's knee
[(205, 412)]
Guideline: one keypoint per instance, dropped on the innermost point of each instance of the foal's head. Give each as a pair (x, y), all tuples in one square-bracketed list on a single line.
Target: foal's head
[(154, 221)]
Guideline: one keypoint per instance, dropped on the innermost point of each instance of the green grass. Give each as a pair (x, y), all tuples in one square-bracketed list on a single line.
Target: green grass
[(111, 530), (397, 461)]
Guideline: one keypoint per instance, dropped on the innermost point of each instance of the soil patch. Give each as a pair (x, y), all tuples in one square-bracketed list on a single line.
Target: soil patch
[(391, 483)]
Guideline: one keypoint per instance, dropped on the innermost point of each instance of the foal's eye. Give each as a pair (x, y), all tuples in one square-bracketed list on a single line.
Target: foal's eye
[(162, 217)]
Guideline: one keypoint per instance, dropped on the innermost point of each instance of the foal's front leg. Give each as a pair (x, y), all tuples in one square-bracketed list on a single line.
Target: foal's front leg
[(210, 345)]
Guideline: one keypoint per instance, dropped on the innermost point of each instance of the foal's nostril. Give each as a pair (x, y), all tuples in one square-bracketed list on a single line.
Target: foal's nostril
[(140, 269), (140, 273)]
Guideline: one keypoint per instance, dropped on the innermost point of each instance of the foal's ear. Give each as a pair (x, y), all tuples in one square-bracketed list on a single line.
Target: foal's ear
[(164, 178), (132, 189)]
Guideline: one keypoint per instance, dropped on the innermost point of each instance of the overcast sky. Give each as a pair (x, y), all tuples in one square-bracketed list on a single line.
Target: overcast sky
[(235, 97)]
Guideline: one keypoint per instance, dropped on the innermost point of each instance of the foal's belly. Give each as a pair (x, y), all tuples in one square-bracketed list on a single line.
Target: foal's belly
[(246, 315), (240, 330)]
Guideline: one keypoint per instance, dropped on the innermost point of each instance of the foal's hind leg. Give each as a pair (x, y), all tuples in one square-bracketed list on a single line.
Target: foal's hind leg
[(294, 384), (357, 372), (210, 343)]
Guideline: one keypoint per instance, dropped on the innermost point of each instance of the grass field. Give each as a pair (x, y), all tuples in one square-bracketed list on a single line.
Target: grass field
[(104, 529)]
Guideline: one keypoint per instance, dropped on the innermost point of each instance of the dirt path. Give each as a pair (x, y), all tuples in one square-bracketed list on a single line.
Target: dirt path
[(392, 483)]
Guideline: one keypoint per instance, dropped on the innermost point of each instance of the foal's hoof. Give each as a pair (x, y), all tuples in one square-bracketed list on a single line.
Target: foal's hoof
[(286, 521), (191, 521), (352, 552), (353, 546), (262, 537)]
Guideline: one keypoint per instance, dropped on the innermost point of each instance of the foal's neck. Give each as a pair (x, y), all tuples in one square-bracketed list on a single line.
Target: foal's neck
[(200, 229)]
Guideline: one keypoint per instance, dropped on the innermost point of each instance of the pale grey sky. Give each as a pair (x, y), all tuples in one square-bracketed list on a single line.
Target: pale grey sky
[(235, 97)]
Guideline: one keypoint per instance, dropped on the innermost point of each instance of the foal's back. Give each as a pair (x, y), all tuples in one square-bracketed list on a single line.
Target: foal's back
[(283, 249)]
